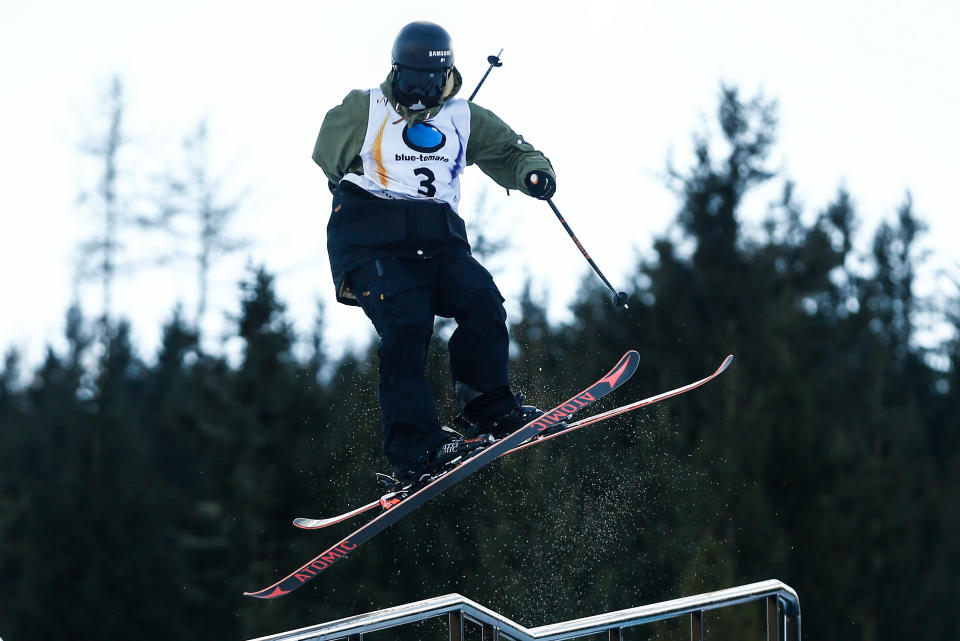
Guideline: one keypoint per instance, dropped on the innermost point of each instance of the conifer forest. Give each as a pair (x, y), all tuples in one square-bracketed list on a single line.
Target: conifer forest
[(142, 493)]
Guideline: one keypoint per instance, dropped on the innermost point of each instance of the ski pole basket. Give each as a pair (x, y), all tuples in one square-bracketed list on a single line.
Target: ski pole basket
[(780, 602)]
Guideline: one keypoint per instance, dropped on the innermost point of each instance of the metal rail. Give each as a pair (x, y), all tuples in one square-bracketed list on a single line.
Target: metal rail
[(782, 606)]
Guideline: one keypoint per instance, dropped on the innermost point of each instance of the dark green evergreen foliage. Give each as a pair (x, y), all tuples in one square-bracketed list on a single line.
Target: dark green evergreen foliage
[(139, 499)]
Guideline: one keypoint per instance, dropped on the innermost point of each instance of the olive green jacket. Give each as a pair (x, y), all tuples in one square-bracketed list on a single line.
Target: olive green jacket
[(500, 153)]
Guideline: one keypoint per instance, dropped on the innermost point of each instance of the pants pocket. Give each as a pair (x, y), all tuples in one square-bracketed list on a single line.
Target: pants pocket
[(391, 296)]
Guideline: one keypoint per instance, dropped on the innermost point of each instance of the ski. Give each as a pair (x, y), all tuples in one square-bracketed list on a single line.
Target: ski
[(315, 524), (386, 501), (623, 409), (614, 379), (389, 500)]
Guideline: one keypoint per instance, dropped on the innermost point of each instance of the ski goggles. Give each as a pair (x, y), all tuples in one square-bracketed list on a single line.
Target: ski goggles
[(414, 87)]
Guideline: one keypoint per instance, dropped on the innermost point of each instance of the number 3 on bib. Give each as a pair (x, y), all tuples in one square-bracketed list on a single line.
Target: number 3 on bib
[(427, 182)]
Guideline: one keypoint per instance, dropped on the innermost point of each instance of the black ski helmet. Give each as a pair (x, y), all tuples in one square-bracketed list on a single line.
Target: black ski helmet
[(423, 46)]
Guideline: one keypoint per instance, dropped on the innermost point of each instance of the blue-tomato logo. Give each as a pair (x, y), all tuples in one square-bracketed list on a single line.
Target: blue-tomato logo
[(424, 137)]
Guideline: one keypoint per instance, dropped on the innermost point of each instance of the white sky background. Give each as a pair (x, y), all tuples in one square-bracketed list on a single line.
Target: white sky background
[(868, 97)]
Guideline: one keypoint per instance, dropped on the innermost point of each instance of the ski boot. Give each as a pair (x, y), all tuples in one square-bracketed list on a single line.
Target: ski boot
[(447, 455), (502, 424)]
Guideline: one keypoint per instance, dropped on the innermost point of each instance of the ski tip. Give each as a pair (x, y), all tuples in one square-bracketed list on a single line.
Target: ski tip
[(726, 363), (305, 524), (623, 370), (314, 524), (268, 593)]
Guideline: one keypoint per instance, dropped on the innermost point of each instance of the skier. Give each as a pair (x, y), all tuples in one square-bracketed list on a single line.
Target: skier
[(393, 156)]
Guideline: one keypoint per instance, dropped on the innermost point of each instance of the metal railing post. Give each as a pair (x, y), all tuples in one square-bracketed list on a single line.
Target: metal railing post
[(696, 625), (774, 618), (615, 634), (455, 619), (489, 633), (791, 625)]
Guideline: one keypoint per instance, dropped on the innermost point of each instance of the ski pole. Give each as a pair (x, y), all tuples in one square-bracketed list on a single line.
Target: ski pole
[(494, 62), (619, 298)]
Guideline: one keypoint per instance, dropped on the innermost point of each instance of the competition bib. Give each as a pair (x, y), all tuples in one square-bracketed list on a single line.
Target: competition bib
[(420, 161)]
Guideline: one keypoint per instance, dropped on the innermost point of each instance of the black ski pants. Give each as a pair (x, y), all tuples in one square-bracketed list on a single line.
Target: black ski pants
[(402, 296)]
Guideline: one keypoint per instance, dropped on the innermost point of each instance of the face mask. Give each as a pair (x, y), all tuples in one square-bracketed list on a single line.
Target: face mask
[(418, 89)]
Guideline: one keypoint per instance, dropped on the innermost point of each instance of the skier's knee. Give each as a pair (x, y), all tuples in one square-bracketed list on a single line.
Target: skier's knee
[(484, 306)]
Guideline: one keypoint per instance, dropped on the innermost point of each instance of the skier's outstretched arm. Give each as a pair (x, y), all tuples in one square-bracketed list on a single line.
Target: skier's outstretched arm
[(503, 154)]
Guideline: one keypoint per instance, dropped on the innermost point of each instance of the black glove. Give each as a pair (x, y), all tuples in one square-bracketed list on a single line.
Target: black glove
[(540, 184)]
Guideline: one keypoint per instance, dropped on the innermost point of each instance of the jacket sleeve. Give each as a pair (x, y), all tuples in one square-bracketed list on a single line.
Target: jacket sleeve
[(340, 140), (500, 152)]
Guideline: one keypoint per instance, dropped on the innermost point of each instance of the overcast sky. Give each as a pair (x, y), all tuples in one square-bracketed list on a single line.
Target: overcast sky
[(867, 92)]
